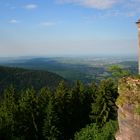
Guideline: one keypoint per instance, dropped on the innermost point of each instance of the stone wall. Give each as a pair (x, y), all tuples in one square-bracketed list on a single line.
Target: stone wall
[(128, 103)]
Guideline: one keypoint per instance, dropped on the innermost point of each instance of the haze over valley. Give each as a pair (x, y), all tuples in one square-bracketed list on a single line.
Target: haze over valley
[(84, 68), (63, 65)]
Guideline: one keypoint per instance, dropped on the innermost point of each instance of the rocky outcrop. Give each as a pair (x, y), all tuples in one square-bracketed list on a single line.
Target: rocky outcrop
[(128, 104)]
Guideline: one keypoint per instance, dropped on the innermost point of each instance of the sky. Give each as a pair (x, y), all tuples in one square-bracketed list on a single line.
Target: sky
[(68, 27)]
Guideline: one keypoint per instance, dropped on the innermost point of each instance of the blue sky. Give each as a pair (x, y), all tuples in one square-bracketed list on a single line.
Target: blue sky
[(68, 27)]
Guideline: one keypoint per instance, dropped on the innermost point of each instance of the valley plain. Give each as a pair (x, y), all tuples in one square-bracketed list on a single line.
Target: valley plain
[(83, 68)]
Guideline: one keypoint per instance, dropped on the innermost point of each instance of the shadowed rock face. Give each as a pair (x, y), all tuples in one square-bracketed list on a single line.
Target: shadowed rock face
[(128, 104)]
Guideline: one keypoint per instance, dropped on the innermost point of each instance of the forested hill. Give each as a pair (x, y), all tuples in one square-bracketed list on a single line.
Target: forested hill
[(24, 78)]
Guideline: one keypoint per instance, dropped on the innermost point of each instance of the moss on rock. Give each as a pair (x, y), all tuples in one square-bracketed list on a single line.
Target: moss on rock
[(129, 91)]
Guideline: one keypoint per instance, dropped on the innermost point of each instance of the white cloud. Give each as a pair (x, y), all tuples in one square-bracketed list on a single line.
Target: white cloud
[(48, 24), (109, 8), (127, 8), (99, 4), (30, 6), (14, 21)]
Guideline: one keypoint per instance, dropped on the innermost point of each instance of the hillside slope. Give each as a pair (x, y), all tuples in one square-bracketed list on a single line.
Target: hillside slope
[(75, 68), (24, 78)]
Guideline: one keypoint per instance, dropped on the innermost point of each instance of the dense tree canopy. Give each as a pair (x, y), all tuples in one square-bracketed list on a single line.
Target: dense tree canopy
[(94, 132), (58, 114), (25, 78)]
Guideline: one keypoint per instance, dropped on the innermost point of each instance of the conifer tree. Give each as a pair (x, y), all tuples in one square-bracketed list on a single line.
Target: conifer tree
[(8, 110), (28, 114), (50, 130), (104, 107)]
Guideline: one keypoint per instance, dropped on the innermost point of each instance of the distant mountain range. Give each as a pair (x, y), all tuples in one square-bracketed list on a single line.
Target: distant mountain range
[(85, 69)]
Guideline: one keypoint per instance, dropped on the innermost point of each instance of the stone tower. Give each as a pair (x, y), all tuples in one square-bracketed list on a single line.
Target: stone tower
[(138, 24)]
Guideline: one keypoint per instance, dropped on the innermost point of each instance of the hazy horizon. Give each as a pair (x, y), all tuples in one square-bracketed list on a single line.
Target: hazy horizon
[(68, 28)]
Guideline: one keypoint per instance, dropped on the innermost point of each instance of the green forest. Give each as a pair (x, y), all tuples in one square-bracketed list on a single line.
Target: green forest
[(23, 78), (79, 112), (61, 111)]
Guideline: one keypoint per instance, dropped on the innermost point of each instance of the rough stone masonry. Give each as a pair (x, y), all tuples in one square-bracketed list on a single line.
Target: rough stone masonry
[(128, 104)]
